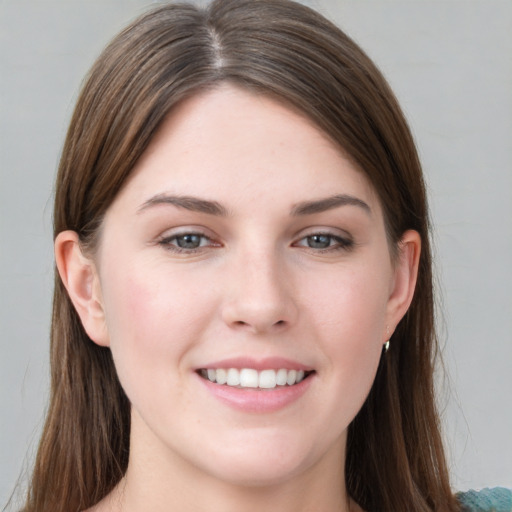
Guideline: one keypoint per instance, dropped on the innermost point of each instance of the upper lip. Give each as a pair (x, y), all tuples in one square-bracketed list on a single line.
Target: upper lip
[(268, 363)]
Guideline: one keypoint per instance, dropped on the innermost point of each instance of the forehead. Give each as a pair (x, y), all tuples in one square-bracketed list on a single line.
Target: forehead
[(240, 146)]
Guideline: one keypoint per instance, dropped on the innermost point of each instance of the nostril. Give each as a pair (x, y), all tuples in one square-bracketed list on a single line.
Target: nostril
[(242, 323)]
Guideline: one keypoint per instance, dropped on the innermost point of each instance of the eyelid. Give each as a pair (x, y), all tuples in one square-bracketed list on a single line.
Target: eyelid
[(181, 230), (324, 230)]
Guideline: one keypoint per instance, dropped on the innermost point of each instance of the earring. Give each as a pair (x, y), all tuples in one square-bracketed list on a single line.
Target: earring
[(386, 345)]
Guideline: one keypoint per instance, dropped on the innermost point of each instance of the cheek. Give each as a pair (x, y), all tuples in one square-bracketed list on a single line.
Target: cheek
[(350, 319), (351, 306), (152, 322), (152, 307)]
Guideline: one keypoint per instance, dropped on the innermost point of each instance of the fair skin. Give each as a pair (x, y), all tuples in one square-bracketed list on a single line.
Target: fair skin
[(244, 239)]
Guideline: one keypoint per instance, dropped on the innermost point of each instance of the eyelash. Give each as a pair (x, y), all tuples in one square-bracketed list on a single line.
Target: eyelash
[(336, 242)]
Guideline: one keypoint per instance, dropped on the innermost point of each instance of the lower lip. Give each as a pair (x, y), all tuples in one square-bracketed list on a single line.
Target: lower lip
[(258, 400)]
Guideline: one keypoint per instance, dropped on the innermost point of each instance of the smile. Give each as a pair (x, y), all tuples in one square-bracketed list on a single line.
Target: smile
[(252, 378)]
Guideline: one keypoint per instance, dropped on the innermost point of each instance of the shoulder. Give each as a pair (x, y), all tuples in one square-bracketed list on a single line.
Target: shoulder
[(497, 499)]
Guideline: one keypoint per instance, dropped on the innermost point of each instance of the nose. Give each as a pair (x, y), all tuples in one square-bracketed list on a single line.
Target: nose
[(259, 296)]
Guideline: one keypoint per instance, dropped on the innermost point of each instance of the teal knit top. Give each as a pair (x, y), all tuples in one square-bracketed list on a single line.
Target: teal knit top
[(498, 499)]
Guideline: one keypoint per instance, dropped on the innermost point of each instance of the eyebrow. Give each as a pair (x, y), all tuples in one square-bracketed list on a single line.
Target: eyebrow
[(193, 204), (329, 203), (214, 208)]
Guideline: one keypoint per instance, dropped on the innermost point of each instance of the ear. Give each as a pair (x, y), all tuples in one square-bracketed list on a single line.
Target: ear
[(80, 277), (404, 282)]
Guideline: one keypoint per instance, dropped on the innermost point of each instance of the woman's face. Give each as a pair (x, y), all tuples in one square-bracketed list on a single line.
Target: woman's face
[(245, 246)]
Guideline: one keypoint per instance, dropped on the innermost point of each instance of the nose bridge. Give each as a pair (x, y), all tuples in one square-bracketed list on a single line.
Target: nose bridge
[(260, 297)]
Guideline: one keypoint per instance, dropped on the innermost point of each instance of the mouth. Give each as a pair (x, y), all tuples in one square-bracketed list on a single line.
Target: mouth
[(245, 378)]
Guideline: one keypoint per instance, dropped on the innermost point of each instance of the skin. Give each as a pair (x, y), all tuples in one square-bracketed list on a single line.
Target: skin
[(259, 285)]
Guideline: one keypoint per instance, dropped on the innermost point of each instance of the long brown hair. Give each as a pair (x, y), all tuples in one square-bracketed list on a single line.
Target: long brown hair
[(395, 460)]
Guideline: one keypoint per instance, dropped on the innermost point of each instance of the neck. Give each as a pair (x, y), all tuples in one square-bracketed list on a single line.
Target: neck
[(160, 481), (134, 496)]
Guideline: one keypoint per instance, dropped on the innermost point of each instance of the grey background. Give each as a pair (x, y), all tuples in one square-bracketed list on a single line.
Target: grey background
[(450, 64)]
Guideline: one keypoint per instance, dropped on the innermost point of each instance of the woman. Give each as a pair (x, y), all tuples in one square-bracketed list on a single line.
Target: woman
[(243, 312)]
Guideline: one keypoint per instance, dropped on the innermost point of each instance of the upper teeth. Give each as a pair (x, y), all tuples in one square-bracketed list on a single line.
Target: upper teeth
[(250, 378)]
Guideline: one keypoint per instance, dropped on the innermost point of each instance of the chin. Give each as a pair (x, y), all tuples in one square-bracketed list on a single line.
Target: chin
[(262, 464), (259, 474)]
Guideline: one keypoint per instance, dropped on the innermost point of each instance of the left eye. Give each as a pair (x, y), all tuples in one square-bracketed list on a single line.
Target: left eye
[(324, 241)]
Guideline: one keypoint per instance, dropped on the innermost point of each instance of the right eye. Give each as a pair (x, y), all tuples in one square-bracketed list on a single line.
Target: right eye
[(187, 242)]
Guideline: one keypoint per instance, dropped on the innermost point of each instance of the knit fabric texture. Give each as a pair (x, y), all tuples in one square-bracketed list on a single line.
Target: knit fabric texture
[(497, 499)]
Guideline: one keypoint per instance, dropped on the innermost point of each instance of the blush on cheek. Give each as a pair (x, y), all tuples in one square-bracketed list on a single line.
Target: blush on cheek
[(138, 298), (129, 313), (134, 337), (145, 318)]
